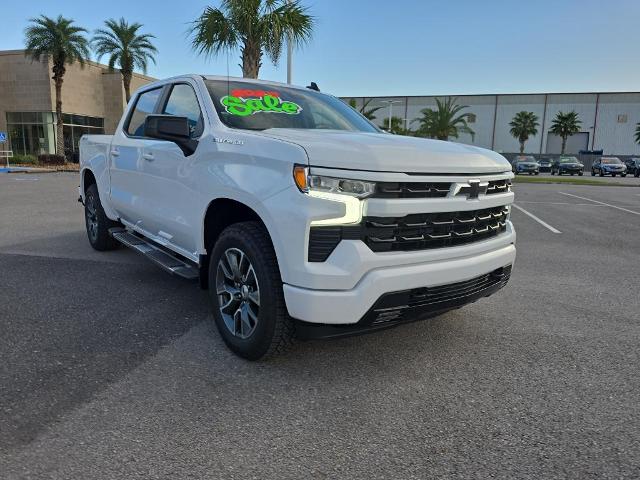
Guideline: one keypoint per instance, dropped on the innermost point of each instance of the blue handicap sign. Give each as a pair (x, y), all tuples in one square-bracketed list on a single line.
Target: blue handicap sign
[(3, 137)]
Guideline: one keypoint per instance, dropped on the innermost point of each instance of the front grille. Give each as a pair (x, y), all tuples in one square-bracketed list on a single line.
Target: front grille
[(498, 186), (412, 190), (412, 232), (432, 230)]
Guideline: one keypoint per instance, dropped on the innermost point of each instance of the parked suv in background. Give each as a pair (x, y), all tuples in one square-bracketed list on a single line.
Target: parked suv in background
[(526, 164), (633, 166), (609, 166), (569, 165)]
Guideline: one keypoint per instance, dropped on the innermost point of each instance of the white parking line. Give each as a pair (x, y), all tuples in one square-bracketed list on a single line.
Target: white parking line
[(541, 222), (599, 202), (562, 203)]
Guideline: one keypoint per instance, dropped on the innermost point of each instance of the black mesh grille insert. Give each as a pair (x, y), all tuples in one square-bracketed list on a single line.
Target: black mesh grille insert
[(498, 186), (412, 232), (411, 190)]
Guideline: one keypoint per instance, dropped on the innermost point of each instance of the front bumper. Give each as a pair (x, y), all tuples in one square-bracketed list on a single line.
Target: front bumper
[(414, 304), (339, 307)]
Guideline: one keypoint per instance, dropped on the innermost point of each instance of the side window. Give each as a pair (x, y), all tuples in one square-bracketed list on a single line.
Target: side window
[(183, 102), (144, 106)]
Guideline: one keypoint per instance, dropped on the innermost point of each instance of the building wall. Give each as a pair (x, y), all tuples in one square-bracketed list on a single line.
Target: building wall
[(24, 85), (606, 130)]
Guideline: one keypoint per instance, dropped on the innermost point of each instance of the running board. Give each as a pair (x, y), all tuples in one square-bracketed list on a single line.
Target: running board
[(157, 255)]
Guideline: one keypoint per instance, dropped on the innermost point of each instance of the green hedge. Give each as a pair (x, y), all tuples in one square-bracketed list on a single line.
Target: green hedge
[(25, 159)]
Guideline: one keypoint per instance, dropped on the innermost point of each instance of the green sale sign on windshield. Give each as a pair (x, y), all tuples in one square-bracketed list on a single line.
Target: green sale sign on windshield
[(258, 101)]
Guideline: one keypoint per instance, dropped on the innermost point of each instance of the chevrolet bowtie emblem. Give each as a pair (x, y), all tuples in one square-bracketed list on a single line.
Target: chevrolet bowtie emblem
[(473, 189)]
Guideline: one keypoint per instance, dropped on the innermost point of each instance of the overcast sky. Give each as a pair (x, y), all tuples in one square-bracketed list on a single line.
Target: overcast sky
[(404, 47)]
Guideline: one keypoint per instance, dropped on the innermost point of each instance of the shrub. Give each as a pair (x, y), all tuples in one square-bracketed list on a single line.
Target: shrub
[(24, 159), (51, 159)]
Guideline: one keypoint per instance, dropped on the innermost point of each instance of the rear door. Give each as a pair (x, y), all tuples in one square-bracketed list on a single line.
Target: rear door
[(170, 182), (129, 191)]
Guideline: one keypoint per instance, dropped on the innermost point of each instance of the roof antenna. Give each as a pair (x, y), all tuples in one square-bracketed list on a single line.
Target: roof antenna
[(313, 86)]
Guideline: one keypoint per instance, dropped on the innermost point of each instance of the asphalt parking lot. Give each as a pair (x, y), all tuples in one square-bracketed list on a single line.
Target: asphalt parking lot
[(111, 368)]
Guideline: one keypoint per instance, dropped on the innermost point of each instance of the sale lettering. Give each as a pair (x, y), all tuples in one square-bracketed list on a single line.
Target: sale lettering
[(265, 103)]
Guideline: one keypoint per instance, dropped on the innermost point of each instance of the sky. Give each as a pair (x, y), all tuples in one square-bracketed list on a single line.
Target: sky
[(404, 47)]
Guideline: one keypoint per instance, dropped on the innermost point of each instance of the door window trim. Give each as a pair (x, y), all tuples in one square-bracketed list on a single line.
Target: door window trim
[(164, 100), (154, 111)]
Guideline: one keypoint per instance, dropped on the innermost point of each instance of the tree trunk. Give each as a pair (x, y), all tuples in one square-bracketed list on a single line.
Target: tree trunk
[(251, 59), (521, 147), (443, 137), (564, 145), (59, 128), (126, 81)]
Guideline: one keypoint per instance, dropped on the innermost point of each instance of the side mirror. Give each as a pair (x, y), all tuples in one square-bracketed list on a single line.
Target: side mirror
[(171, 128)]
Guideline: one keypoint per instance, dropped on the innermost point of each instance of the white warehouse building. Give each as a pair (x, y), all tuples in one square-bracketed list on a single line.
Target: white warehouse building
[(608, 119)]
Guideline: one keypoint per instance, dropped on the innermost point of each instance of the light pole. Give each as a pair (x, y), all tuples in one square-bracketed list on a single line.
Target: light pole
[(289, 56), (390, 102)]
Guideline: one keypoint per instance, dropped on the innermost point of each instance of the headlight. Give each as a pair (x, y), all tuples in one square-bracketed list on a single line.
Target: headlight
[(346, 191), (340, 186)]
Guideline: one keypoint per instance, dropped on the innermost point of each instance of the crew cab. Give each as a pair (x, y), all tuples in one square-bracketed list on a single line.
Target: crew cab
[(301, 217)]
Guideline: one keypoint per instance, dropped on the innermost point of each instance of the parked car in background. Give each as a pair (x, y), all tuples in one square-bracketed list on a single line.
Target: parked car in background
[(545, 164), (609, 166), (526, 164), (569, 165), (633, 166)]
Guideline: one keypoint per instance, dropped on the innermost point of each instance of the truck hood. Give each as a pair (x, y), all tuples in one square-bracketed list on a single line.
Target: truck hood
[(390, 153)]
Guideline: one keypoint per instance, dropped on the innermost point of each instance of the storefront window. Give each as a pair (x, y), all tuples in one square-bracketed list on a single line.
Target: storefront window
[(33, 133)]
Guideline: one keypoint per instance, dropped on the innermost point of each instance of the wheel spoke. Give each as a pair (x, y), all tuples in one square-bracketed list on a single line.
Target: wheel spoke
[(233, 264), (230, 305), (244, 316), (254, 296)]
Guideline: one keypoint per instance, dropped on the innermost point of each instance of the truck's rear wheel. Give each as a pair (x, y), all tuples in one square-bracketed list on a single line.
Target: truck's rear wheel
[(246, 293), (97, 222)]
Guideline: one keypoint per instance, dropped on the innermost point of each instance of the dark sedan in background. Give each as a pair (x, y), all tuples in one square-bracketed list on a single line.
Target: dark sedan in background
[(545, 164), (609, 166), (568, 165), (633, 166), (526, 164)]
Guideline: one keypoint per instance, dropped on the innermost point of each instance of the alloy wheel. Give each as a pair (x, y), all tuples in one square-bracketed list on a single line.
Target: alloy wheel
[(238, 293)]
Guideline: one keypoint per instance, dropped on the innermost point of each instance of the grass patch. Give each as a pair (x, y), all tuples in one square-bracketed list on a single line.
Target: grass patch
[(571, 181)]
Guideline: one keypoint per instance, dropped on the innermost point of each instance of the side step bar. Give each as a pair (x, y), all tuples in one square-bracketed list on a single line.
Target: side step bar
[(157, 255)]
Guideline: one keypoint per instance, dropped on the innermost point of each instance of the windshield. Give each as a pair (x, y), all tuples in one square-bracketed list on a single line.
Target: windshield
[(611, 161), (251, 106), (569, 160)]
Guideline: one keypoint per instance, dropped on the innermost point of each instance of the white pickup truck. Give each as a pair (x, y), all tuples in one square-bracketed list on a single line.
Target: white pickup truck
[(302, 218)]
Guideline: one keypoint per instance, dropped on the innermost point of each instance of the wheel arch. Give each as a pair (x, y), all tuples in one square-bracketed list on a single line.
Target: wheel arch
[(220, 214)]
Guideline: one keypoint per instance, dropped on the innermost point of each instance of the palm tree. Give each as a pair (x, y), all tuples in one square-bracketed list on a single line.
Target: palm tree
[(125, 47), (523, 126), (637, 134), (397, 126), (369, 113), (66, 44), (444, 122), (255, 26), (565, 125)]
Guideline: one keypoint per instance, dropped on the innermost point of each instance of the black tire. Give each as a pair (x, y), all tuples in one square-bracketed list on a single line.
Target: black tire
[(273, 331), (580, 174), (623, 175), (601, 173), (593, 172), (572, 174), (637, 174), (552, 172), (97, 223), (537, 173), (613, 174)]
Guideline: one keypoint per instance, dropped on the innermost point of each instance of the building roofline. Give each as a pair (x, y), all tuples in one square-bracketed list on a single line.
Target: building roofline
[(492, 94), (88, 62)]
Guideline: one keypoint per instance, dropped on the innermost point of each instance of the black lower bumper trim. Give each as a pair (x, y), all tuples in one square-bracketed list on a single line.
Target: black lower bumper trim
[(405, 306)]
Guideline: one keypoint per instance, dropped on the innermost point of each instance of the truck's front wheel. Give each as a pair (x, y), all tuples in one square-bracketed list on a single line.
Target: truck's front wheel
[(97, 222), (246, 292)]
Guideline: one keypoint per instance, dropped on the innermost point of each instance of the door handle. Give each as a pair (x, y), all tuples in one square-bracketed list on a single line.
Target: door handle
[(114, 153), (148, 156)]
